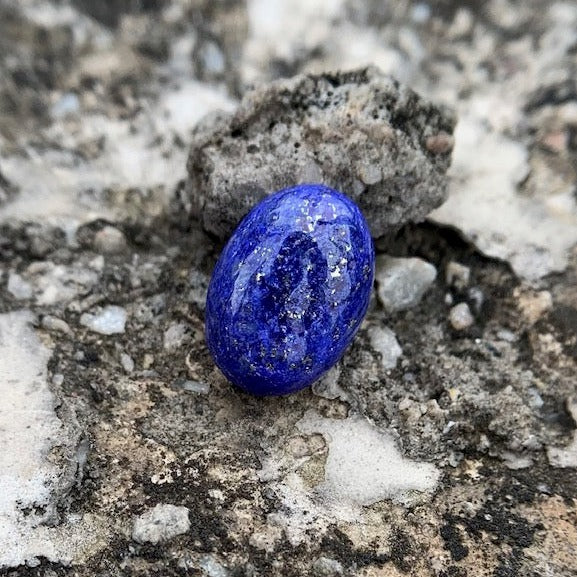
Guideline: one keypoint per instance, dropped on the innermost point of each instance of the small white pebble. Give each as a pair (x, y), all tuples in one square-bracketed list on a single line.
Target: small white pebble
[(175, 336), (507, 336), (402, 282), (515, 462), (448, 427), (483, 443), (110, 320), (460, 317), (455, 458), (535, 399), (58, 379), (68, 104), (33, 562), (216, 494), (127, 362), (544, 488), (405, 404), (328, 387), (476, 298), (97, 263), (213, 59)]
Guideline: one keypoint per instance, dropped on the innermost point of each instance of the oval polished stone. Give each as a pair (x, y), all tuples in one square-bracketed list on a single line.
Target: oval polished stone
[(290, 290)]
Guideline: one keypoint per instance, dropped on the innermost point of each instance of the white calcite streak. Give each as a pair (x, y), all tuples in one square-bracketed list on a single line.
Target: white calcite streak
[(364, 464), (32, 475)]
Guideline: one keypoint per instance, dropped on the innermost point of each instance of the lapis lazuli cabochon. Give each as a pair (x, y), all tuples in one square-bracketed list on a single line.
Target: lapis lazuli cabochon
[(290, 290)]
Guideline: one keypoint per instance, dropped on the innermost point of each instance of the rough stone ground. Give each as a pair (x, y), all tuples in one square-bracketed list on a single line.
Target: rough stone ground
[(118, 420)]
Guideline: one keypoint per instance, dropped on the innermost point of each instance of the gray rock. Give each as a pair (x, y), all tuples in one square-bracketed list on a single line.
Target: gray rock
[(359, 131), (161, 523), (402, 282)]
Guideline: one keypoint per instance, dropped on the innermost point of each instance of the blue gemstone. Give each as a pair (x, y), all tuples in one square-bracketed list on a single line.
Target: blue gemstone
[(290, 290)]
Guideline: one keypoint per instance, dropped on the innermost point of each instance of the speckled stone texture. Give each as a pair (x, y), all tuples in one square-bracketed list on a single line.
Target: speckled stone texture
[(94, 133), (359, 132), (290, 290)]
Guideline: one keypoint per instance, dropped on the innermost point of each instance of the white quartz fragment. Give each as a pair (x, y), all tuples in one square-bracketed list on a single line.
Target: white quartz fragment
[(127, 362), (110, 320)]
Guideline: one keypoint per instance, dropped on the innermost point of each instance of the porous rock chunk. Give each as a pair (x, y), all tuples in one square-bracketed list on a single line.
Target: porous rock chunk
[(359, 132)]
